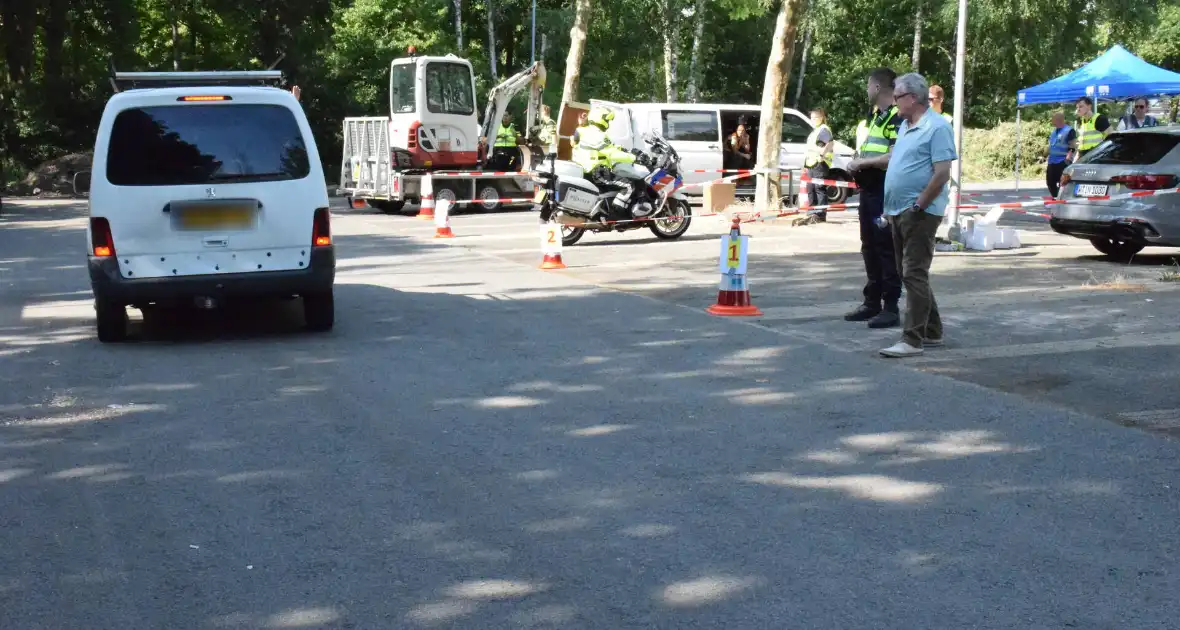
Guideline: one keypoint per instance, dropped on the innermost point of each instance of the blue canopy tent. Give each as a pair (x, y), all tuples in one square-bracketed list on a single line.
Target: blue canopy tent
[(1115, 75)]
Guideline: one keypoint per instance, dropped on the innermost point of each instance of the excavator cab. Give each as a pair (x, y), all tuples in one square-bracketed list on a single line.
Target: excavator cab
[(433, 122)]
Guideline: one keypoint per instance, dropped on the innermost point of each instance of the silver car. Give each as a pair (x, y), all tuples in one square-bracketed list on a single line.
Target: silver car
[(1126, 162)]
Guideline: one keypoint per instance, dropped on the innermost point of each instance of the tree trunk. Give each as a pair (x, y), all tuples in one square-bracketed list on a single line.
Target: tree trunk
[(175, 35), (802, 68), (573, 62), (916, 56), (778, 72), (671, 39), (458, 25), (492, 40), (693, 92)]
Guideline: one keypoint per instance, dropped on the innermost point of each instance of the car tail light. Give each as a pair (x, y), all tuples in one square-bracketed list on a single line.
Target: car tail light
[(1145, 182), (1065, 179), (102, 242), (412, 140), (321, 230)]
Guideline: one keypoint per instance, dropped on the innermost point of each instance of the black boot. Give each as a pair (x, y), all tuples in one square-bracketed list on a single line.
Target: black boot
[(862, 313), (888, 318)]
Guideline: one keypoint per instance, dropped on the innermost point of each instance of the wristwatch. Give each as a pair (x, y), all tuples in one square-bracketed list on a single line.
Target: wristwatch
[(916, 208)]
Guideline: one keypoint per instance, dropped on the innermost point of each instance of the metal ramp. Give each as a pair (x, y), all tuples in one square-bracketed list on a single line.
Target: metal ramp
[(365, 167)]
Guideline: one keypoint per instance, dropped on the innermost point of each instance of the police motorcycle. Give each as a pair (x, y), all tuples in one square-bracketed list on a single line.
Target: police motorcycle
[(565, 195)]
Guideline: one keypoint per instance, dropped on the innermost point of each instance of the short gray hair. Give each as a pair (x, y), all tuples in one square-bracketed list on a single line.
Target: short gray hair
[(914, 83)]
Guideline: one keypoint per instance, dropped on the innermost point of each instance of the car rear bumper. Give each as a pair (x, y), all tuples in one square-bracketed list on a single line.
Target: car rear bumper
[(106, 281), (1128, 229)]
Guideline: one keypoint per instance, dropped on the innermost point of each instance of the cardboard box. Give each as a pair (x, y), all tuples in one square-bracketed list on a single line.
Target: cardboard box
[(718, 196)]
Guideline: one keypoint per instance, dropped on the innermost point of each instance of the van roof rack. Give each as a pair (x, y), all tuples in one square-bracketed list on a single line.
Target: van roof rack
[(121, 81)]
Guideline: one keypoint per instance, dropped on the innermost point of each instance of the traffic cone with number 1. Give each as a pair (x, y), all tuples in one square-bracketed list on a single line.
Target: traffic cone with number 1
[(733, 297), (551, 246)]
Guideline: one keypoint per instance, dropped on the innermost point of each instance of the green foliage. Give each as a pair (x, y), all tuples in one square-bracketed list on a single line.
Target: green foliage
[(54, 53), (989, 154)]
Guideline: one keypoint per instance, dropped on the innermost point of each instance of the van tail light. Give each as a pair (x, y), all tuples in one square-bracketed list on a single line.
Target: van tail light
[(1065, 179), (412, 139), (1145, 182), (321, 230), (102, 242)]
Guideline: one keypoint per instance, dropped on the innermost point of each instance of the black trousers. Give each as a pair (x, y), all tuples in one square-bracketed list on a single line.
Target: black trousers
[(815, 194), (883, 288), (1053, 177)]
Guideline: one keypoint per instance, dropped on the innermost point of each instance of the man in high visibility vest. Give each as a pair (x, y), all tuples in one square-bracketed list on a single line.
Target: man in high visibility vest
[(818, 160), (1061, 140), (597, 154), (1091, 128), (504, 152), (883, 287), (937, 96)]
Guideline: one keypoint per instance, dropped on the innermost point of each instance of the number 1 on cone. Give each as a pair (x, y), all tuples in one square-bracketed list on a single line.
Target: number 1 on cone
[(734, 253)]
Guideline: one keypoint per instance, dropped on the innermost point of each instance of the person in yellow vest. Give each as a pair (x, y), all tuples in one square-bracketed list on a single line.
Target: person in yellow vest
[(597, 154), (1091, 128), (504, 153), (882, 289), (545, 131), (937, 97), (818, 160)]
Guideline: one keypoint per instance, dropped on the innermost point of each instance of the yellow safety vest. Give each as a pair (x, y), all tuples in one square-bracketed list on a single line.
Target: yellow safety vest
[(949, 118), (815, 151), (862, 132), (879, 137), (506, 136), (1088, 135), (593, 148)]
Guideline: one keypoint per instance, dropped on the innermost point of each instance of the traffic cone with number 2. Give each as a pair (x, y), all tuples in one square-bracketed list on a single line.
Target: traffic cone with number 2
[(733, 297), (551, 246)]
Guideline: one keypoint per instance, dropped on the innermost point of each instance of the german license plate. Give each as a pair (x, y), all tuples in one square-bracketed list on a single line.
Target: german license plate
[(539, 196), (209, 217), (1090, 190)]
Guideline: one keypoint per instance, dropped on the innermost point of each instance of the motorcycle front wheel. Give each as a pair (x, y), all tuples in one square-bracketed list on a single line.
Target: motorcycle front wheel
[(571, 235), (674, 223)]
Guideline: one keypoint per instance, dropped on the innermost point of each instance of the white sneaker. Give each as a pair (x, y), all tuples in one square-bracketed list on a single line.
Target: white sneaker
[(900, 350)]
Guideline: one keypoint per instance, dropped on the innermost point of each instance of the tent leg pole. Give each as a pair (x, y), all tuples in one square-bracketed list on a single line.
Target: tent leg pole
[(1018, 148)]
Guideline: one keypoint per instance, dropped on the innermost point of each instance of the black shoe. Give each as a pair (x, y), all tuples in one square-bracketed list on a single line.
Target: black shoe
[(862, 313), (885, 319)]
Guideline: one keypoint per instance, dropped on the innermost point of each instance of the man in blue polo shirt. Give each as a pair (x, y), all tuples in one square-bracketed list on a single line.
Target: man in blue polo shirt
[(916, 197)]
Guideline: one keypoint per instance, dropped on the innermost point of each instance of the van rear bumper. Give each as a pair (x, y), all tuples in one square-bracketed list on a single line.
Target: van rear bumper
[(109, 284)]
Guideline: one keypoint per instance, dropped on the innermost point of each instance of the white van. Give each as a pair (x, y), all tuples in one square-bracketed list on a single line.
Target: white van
[(206, 186), (698, 131)]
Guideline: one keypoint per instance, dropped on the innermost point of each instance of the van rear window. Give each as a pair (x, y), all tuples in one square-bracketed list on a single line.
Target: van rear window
[(1132, 148), (176, 145)]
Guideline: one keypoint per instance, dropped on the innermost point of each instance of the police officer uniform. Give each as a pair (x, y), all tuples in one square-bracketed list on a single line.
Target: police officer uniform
[(1059, 157), (882, 289), (597, 155), (818, 163)]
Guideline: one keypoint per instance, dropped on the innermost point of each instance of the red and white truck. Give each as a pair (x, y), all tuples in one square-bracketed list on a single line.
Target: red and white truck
[(433, 128)]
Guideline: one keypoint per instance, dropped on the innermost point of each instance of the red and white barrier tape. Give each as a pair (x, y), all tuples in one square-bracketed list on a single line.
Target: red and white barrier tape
[(839, 183), (498, 200)]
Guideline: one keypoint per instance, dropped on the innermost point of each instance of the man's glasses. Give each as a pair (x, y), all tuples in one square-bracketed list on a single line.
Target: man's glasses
[(1140, 107)]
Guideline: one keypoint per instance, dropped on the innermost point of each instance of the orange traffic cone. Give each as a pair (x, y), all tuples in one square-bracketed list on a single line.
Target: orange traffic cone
[(442, 220), (551, 246), (426, 211), (733, 296)]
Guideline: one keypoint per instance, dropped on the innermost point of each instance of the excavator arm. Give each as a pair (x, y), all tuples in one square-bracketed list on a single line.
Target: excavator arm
[(532, 78)]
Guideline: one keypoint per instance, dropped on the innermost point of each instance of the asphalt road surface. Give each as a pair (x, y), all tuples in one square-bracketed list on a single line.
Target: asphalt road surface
[(479, 444)]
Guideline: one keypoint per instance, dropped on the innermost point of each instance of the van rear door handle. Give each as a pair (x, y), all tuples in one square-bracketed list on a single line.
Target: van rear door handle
[(216, 241)]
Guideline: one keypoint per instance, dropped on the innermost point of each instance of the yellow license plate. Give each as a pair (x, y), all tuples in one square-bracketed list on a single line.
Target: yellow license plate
[(540, 195), (216, 218)]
